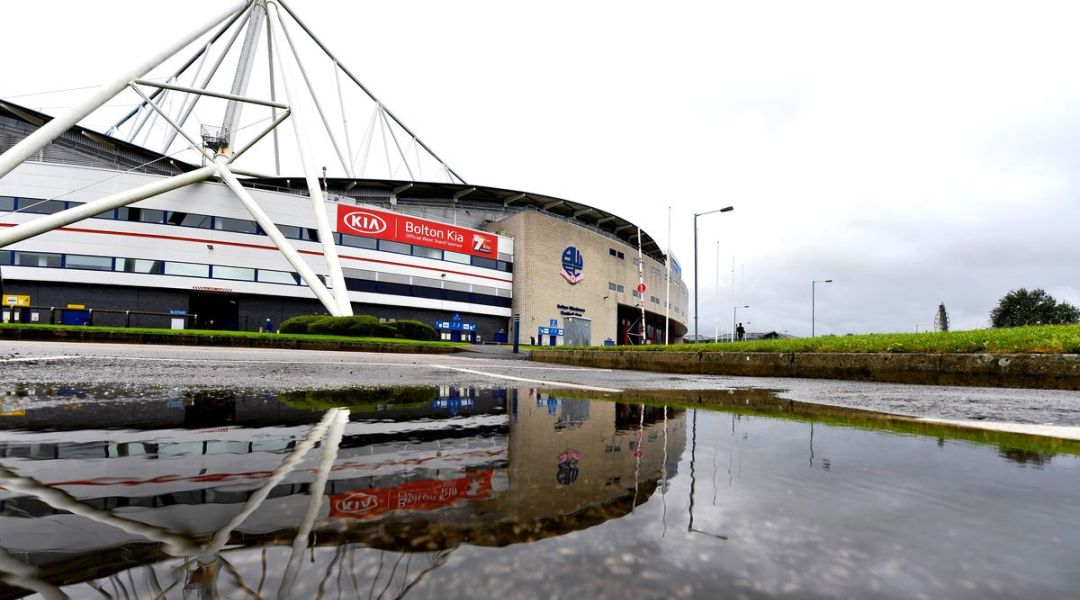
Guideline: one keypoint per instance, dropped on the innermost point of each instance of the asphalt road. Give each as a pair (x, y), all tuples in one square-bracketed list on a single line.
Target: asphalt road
[(131, 368)]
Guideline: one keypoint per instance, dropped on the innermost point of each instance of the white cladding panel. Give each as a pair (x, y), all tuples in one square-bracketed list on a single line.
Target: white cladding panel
[(99, 237)]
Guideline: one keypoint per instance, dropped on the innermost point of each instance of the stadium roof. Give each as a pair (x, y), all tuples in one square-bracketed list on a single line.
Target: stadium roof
[(99, 149)]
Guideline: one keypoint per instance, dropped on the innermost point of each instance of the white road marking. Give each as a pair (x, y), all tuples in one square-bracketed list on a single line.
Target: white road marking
[(579, 386), (321, 362), (37, 358)]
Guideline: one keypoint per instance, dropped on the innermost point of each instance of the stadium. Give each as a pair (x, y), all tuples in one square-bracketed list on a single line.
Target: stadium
[(157, 221)]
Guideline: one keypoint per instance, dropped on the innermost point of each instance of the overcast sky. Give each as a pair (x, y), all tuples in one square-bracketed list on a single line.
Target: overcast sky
[(915, 153)]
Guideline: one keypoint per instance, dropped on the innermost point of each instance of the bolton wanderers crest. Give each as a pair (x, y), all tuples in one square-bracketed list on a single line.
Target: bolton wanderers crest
[(572, 265)]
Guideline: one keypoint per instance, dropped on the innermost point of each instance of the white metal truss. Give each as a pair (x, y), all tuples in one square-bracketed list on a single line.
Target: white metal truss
[(165, 111)]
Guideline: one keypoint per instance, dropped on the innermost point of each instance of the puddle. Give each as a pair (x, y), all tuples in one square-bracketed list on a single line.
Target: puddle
[(433, 492)]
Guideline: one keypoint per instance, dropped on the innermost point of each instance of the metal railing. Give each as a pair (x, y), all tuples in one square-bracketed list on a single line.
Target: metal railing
[(15, 314)]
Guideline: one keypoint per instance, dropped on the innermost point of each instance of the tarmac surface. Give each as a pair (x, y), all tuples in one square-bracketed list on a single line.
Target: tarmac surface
[(132, 367)]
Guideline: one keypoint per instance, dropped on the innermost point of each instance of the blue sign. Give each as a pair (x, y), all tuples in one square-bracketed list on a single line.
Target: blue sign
[(555, 331), (553, 323), (675, 266), (455, 325), (572, 265)]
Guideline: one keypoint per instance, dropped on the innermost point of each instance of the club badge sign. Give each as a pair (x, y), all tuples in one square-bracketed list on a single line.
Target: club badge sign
[(406, 229), (572, 265)]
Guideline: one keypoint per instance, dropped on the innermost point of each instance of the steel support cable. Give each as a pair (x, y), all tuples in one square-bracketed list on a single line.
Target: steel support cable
[(315, 99), (225, 27), (189, 104), (90, 185), (355, 80)]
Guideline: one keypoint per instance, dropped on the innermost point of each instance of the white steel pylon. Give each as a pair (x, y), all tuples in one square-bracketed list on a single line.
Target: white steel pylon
[(165, 105)]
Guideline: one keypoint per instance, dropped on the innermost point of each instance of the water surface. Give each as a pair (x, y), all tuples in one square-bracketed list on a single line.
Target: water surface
[(448, 492)]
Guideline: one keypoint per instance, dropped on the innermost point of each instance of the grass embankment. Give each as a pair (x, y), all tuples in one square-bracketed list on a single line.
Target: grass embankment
[(216, 333), (768, 404), (1040, 339)]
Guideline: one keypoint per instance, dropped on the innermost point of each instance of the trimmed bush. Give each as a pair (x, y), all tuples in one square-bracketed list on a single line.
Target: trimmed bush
[(298, 324), (415, 330), (368, 326), (326, 326)]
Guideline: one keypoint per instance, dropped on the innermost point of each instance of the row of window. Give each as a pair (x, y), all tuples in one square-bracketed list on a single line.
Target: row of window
[(616, 253), (182, 269), (185, 219)]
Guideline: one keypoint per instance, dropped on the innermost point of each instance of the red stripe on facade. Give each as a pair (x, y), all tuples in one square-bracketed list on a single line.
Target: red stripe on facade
[(262, 247)]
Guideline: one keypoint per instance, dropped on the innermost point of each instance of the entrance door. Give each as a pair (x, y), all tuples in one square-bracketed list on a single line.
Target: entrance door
[(215, 310)]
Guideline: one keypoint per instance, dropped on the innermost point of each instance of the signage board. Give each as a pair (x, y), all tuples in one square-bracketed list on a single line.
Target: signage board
[(455, 325), (397, 227), (641, 287), (426, 495), (16, 300), (553, 323), (550, 331)]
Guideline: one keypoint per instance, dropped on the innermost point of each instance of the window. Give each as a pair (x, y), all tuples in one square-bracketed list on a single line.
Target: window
[(506, 257), (265, 276), (7, 203), (5, 257), (237, 225), (487, 263), (188, 219), (142, 215), (635, 293), (37, 259), (620, 288), (621, 255), (611, 286), (187, 269), (310, 235), (40, 207), (457, 257), (237, 273), (290, 231), (427, 252), (139, 265), (109, 214), (612, 252), (388, 246), (505, 266), (356, 241), (93, 263)]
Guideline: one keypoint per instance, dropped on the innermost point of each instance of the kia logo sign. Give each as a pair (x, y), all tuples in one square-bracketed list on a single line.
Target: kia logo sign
[(365, 222), (358, 503)]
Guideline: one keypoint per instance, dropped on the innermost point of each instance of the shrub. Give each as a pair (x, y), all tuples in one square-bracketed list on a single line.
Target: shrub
[(415, 330), (368, 326), (326, 326), (298, 324)]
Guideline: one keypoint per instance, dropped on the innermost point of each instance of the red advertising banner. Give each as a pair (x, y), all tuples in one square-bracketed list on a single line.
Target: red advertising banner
[(424, 495), (397, 227)]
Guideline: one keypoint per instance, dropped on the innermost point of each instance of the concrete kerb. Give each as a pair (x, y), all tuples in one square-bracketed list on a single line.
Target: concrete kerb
[(91, 335), (1037, 371)]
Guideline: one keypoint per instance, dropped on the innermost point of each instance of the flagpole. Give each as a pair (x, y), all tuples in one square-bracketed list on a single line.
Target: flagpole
[(667, 291)]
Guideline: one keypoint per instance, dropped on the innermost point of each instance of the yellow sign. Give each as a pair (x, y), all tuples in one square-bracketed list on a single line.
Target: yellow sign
[(77, 306), (15, 300)]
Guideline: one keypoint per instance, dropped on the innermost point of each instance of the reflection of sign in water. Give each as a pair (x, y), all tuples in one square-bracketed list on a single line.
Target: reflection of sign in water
[(572, 264), (568, 467), (430, 494)]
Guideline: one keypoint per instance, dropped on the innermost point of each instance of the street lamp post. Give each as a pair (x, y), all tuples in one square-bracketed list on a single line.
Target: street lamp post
[(812, 301), (735, 316), (696, 215)]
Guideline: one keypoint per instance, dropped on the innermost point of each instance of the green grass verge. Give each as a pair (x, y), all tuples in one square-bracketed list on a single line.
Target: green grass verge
[(1040, 339), (230, 334), (767, 404)]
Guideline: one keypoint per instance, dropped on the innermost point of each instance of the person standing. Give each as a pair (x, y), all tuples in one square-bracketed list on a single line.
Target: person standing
[(740, 332)]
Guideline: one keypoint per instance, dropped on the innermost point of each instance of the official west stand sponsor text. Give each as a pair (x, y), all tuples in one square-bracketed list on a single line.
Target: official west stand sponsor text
[(397, 227)]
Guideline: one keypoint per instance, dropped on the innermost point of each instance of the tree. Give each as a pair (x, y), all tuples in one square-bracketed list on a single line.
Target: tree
[(1035, 307), (941, 320)]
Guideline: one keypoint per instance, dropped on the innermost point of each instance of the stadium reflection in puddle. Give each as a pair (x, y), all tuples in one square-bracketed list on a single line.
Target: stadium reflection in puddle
[(436, 493)]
